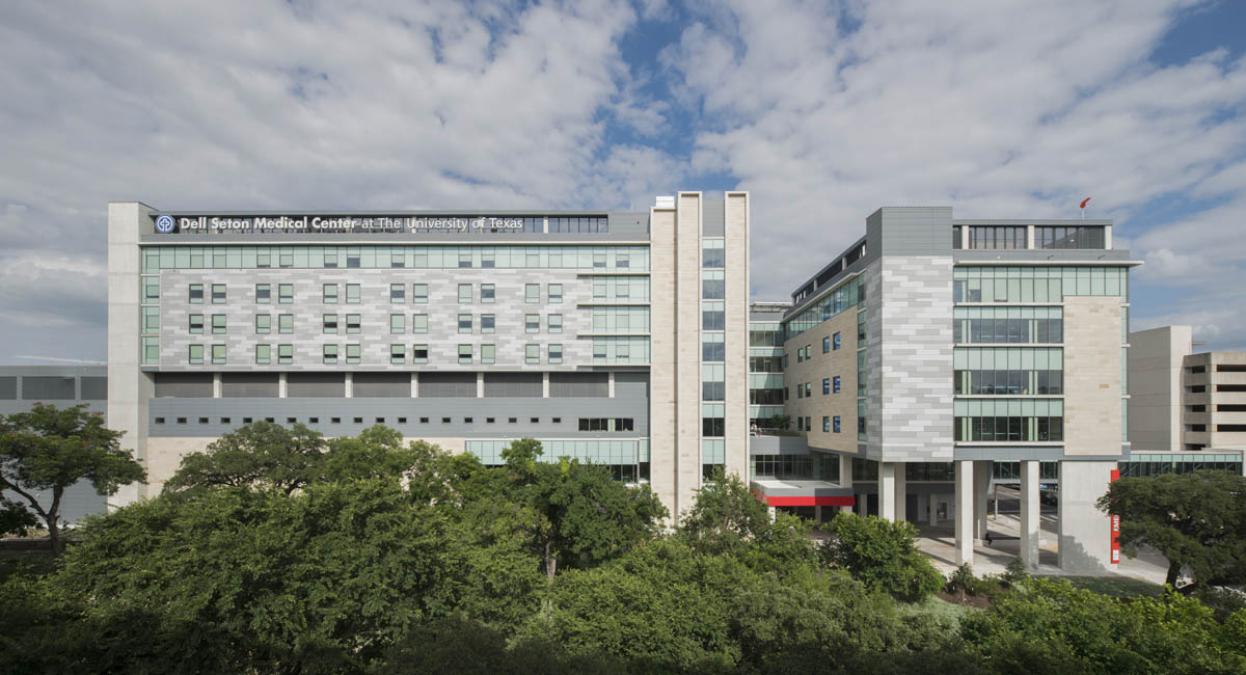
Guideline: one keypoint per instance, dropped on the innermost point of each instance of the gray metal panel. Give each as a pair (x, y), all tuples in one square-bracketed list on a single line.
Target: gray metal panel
[(511, 385), (713, 214), (183, 385), (318, 385), (581, 385), (910, 230), (47, 388), (381, 385), (630, 385), (448, 385), (249, 385), (8, 387), (777, 445), (523, 410), (93, 388)]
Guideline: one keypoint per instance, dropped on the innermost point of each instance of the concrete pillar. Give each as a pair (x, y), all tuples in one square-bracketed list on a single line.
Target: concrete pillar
[(845, 475), (817, 514), (609, 383), (480, 385), (933, 518), (964, 512), (1030, 514), (863, 504), (415, 384), (282, 385), (1085, 531), (981, 497), (901, 493), (887, 490), (216, 385), (545, 384), (349, 385)]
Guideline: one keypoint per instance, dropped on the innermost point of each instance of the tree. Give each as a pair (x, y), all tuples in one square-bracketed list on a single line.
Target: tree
[(50, 448), (726, 514), (581, 514), (883, 555), (258, 454), (1196, 520)]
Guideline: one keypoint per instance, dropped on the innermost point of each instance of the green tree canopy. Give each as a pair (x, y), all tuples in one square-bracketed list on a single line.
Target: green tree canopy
[(258, 454), (50, 448), (883, 554), (1196, 520)]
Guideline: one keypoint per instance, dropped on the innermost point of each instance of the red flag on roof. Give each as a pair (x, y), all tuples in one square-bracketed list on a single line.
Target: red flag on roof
[(1084, 203)]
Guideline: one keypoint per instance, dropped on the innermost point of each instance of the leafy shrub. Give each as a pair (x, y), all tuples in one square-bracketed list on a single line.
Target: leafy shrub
[(883, 555)]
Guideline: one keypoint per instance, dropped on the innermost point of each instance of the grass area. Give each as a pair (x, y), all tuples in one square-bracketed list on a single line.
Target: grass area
[(938, 608), (1117, 586)]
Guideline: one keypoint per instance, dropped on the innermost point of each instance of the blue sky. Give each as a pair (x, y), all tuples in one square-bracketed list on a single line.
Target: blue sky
[(823, 110)]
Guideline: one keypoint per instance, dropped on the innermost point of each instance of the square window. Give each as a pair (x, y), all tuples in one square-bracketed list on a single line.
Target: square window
[(532, 354), (419, 353), (353, 294), (512, 420), (195, 323), (263, 293), (490, 420), (263, 324), (555, 353), (487, 323), (330, 294), (555, 323), (556, 420), (397, 324), (335, 420), (358, 420), (263, 354), (555, 293), (488, 354), (534, 420), (218, 354), (330, 354), (423, 420), (285, 294), (285, 323), (329, 324), (445, 420), (313, 420), (354, 353), (487, 260), (397, 293), (402, 420), (397, 354), (353, 324), (218, 324), (465, 259), (419, 323), (532, 294), (532, 323), (195, 295), (465, 354), (218, 293), (488, 293), (285, 354), (465, 294), (196, 355), (467, 420), (465, 323), (420, 293)]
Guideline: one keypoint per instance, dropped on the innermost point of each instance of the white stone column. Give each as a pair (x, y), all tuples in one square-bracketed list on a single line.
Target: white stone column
[(887, 490), (933, 518), (609, 383), (216, 384), (349, 387), (1031, 527), (964, 512), (1085, 531), (845, 476), (545, 384), (981, 497), (283, 385), (480, 385), (415, 384), (901, 493)]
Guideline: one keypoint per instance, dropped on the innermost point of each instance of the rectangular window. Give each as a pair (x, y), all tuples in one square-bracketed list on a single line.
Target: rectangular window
[(195, 356), (532, 354), (196, 323), (465, 259), (826, 424), (419, 293), (488, 259), (397, 259), (397, 293), (285, 323), (263, 355), (836, 383), (713, 289), (488, 354), (826, 386), (465, 294), (419, 323), (532, 323), (151, 290), (353, 294), (330, 294), (328, 324), (465, 323), (465, 354), (329, 354), (555, 293), (397, 355), (195, 295), (263, 324), (352, 323), (835, 425), (285, 354), (397, 324), (487, 293), (218, 354), (622, 288), (555, 323), (285, 294), (218, 324), (353, 353), (555, 353), (218, 294), (837, 341), (419, 353), (826, 344), (487, 324), (532, 293), (263, 293), (285, 258)]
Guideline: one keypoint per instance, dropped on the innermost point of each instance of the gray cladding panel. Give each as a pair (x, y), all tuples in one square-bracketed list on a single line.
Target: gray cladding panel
[(47, 388), (183, 385), (93, 388), (8, 387), (910, 231), (316, 385)]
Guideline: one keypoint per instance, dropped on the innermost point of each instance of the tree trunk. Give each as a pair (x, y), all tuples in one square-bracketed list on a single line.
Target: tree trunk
[(551, 563), (1174, 573), (52, 517)]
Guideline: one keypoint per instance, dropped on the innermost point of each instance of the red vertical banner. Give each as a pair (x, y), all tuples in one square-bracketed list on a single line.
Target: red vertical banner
[(1115, 525)]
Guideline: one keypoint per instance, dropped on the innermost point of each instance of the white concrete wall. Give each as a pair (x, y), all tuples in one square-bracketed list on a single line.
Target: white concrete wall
[(1155, 358), (1085, 531)]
